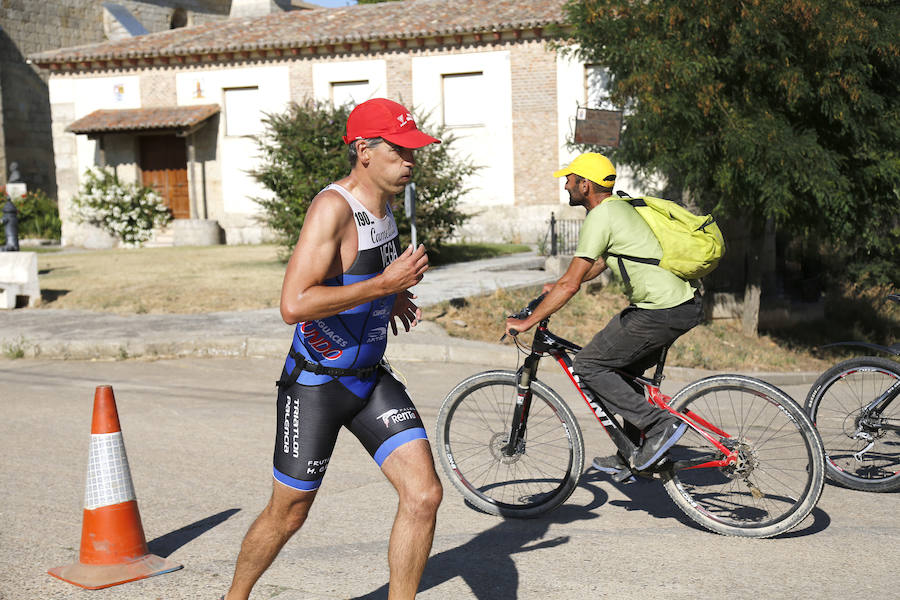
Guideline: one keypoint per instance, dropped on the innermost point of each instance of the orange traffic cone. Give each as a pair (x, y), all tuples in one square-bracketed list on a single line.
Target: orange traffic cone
[(113, 547)]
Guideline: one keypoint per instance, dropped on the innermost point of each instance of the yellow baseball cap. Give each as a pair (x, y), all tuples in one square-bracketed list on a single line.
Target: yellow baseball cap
[(593, 166)]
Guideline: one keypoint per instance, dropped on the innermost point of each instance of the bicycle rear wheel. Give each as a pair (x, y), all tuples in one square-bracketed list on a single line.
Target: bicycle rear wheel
[(473, 428), (780, 472), (835, 404)]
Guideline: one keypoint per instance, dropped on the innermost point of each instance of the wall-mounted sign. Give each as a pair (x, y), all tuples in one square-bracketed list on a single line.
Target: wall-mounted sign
[(598, 127)]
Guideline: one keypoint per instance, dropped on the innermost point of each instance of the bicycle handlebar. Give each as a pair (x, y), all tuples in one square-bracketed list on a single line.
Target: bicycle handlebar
[(523, 313)]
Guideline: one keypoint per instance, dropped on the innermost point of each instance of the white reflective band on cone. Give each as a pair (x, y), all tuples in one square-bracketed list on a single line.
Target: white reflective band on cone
[(108, 477)]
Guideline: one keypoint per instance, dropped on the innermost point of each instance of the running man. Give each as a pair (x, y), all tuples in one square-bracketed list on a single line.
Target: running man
[(345, 283)]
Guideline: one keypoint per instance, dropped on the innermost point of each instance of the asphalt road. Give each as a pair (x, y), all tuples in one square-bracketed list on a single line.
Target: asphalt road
[(199, 435)]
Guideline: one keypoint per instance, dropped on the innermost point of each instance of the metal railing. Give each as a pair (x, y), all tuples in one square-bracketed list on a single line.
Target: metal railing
[(563, 235)]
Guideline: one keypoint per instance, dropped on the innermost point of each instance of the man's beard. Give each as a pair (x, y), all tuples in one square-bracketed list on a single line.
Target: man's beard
[(576, 202)]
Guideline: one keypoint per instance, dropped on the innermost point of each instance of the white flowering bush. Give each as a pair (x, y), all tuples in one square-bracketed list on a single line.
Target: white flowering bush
[(126, 211)]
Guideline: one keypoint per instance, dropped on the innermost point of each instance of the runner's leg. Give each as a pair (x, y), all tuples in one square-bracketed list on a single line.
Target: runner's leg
[(280, 519), (308, 419), (410, 469), (391, 430)]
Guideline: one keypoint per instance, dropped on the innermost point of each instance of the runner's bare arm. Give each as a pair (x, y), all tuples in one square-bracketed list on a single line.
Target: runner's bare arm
[(317, 257)]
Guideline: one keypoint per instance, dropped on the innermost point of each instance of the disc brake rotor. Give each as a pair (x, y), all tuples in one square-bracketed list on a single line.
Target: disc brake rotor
[(498, 443)]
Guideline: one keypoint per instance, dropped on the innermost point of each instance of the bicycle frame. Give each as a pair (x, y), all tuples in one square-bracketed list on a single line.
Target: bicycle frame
[(870, 416), (548, 343), (877, 406)]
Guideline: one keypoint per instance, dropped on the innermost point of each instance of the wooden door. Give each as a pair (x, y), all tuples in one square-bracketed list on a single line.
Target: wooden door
[(164, 168)]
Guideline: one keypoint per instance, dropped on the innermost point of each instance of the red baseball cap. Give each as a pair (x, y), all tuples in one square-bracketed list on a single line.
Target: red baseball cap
[(380, 117)]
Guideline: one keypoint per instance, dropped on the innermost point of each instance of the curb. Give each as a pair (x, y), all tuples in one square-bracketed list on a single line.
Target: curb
[(443, 349)]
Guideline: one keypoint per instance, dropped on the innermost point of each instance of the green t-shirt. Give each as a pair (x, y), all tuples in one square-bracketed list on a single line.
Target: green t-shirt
[(615, 226)]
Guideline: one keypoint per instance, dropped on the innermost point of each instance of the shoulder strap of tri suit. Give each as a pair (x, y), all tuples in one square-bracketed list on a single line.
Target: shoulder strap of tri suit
[(355, 204)]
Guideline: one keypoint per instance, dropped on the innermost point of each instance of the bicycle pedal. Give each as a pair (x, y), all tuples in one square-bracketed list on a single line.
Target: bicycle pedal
[(655, 471), (624, 476)]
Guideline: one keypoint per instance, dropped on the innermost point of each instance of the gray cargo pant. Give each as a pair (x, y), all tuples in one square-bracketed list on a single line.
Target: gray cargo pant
[(631, 342)]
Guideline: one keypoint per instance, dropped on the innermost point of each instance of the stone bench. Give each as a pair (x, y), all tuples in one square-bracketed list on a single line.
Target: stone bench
[(18, 277)]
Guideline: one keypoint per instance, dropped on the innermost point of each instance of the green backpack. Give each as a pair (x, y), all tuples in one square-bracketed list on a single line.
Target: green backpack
[(692, 245)]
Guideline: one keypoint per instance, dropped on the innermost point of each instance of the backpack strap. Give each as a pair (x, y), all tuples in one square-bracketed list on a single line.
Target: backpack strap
[(623, 271), (621, 258)]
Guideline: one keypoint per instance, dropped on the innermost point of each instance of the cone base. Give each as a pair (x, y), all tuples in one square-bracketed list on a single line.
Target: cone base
[(95, 577)]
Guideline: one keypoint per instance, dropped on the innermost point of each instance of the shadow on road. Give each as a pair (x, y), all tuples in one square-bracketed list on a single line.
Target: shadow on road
[(166, 544), (485, 562), (651, 497)]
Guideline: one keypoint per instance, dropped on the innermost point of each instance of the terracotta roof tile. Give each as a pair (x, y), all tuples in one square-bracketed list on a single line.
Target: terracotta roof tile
[(136, 119), (297, 29)]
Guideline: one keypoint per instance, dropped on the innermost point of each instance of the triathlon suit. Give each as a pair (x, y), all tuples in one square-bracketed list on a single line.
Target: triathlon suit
[(370, 402)]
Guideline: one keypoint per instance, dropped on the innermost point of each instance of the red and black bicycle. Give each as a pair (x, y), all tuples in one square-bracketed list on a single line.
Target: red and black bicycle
[(751, 463)]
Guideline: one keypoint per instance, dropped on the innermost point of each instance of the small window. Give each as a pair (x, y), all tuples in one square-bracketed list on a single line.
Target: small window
[(349, 92), (463, 99), (242, 114), (179, 18), (596, 87)]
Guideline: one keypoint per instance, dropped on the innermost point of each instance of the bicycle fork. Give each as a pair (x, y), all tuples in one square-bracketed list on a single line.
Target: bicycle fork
[(524, 376)]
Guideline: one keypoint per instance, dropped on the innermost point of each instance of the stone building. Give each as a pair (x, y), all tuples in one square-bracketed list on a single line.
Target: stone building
[(30, 26), (177, 109)]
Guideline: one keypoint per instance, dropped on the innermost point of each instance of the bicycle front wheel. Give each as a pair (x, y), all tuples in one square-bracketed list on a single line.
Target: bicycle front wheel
[(780, 471), (473, 431), (862, 451)]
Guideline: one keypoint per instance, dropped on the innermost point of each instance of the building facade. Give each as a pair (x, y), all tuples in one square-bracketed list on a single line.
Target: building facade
[(179, 109), (28, 27)]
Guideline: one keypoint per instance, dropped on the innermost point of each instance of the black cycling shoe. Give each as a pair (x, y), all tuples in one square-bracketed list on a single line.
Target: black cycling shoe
[(657, 442), (615, 467)]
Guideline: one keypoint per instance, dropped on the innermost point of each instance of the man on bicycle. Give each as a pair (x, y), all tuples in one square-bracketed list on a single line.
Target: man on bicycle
[(663, 307)]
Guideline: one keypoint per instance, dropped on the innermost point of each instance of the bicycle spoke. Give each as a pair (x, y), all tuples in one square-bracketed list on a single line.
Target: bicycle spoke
[(837, 402), (770, 478), (478, 441)]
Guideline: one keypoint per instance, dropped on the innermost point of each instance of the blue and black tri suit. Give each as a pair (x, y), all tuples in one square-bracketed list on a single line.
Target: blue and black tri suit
[(371, 403)]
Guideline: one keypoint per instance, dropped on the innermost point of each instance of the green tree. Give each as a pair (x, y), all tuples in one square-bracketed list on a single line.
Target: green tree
[(786, 111), (303, 151)]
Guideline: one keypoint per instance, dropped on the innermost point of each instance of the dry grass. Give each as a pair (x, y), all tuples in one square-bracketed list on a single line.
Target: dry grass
[(718, 346), (162, 280), (223, 278)]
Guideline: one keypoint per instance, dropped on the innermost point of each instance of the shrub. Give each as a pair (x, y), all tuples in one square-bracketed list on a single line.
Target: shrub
[(303, 152), (126, 211), (38, 217)]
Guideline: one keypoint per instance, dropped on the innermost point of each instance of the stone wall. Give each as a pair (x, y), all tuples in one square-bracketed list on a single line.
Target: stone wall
[(158, 15), (534, 124), (31, 26), (158, 88)]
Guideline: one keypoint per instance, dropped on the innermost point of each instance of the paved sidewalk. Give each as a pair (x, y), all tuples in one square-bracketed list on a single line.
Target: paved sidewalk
[(85, 335), (76, 334)]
